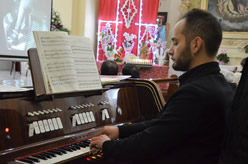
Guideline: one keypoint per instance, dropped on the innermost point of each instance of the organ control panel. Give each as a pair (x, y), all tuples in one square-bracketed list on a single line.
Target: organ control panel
[(57, 129)]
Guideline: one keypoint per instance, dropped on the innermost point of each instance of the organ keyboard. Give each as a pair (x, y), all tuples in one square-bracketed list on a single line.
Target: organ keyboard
[(58, 128)]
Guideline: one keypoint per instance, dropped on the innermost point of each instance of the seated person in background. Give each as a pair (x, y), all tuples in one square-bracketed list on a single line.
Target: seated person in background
[(109, 67), (130, 69), (237, 74), (190, 129), (229, 76)]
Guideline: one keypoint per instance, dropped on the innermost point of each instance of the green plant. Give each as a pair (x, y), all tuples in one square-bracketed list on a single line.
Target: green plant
[(56, 23), (223, 57), (246, 48)]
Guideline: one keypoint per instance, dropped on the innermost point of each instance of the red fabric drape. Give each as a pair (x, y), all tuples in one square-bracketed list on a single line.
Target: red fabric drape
[(107, 12)]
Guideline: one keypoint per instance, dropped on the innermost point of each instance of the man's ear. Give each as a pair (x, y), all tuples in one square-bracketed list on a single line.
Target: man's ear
[(196, 45)]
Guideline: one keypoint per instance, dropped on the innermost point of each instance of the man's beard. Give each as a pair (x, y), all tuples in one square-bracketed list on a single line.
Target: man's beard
[(184, 60)]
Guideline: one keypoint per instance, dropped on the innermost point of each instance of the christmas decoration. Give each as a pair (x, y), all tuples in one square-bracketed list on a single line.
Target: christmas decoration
[(128, 11), (126, 14), (57, 23)]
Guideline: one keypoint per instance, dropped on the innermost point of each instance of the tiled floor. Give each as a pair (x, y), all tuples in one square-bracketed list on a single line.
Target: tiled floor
[(15, 79)]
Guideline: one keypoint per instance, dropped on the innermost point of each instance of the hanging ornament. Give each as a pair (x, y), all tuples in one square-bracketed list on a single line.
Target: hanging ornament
[(128, 11)]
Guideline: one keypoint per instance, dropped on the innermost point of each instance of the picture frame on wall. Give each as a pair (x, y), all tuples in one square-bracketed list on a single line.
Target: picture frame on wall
[(235, 31), (233, 15)]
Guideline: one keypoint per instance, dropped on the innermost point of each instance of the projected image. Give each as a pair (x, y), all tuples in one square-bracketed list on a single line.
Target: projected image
[(19, 19)]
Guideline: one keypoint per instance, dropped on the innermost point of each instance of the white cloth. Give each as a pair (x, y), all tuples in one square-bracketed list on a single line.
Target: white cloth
[(229, 75)]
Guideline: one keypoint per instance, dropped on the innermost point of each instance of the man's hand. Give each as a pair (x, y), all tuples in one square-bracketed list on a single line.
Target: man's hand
[(111, 131), (97, 142)]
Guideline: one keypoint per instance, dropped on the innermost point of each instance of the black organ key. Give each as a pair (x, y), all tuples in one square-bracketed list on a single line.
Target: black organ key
[(45, 155), (66, 149), (56, 152), (72, 148), (75, 146), (33, 159), (51, 154), (61, 150), (26, 160), (82, 145), (87, 143), (40, 157)]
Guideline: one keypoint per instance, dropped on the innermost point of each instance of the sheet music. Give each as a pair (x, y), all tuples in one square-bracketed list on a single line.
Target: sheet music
[(67, 62), (85, 63), (56, 60)]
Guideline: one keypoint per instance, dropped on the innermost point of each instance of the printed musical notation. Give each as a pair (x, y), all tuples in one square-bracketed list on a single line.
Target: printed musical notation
[(67, 62)]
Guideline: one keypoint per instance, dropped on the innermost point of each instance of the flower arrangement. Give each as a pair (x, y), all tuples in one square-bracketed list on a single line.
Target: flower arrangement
[(128, 43), (149, 36), (107, 40), (158, 49), (222, 57)]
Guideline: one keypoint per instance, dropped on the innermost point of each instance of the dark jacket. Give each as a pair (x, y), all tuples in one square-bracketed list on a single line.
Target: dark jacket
[(190, 128)]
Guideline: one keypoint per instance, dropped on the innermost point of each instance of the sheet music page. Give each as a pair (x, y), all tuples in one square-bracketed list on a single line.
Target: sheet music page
[(57, 64), (85, 63)]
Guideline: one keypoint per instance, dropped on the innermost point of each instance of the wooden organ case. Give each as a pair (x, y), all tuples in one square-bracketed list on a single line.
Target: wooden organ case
[(36, 127)]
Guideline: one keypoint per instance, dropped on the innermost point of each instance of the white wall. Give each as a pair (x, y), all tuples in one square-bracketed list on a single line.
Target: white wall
[(64, 7), (91, 21), (172, 7), (79, 16)]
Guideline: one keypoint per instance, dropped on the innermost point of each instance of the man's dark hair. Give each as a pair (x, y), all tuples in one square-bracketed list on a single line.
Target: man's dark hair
[(130, 69), (203, 24), (109, 67)]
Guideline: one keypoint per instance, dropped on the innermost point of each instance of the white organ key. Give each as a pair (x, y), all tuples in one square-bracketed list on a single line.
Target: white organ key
[(106, 114), (50, 123), (103, 114), (88, 116), (73, 120), (55, 110), (64, 157), (31, 130), (81, 118), (46, 126), (41, 126), (59, 110), (49, 110), (92, 116), (30, 114), (41, 112), (55, 124), (77, 119), (36, 113), (59, 123), (85, 118), (45, 111), (36, 127)]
